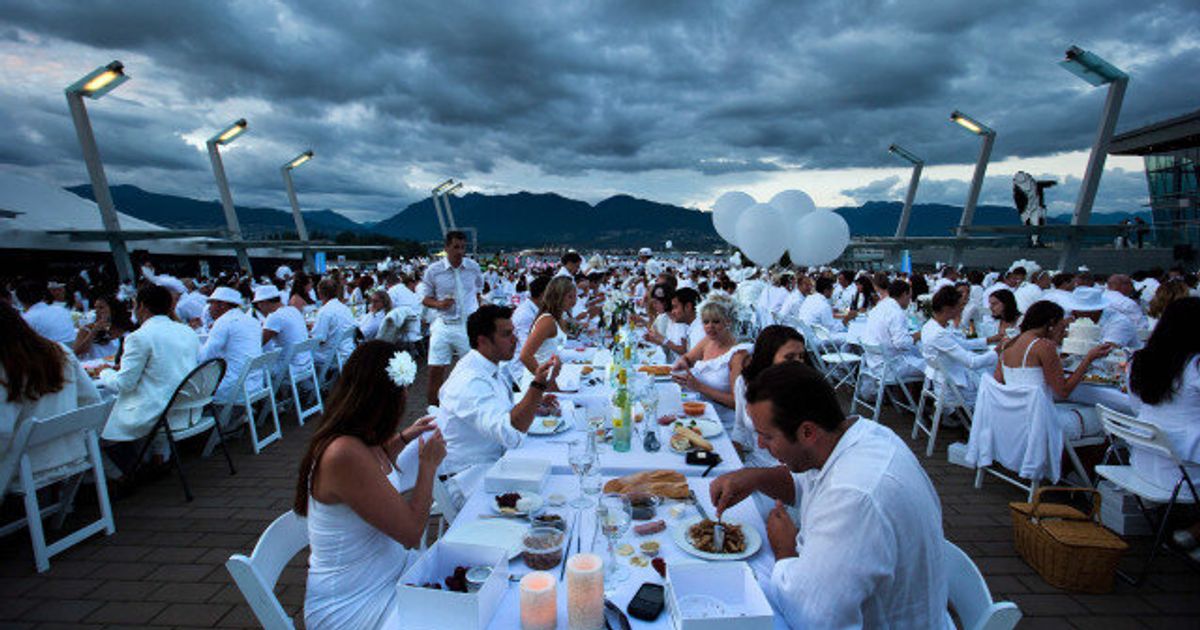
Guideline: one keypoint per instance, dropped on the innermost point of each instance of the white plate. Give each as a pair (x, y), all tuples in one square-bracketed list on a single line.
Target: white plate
[(680, 536), (536, 498), (498, 532), (708, 427)]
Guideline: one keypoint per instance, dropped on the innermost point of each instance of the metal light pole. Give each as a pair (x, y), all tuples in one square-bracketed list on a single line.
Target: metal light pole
[(301, 230), (1096, 71), (918, 164), (94, 85), (226, 136), (985, 154), (437, 207), (446, 204)]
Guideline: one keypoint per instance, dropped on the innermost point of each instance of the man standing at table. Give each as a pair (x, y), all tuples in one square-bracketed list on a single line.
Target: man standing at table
[(451, 287), (868, 552)]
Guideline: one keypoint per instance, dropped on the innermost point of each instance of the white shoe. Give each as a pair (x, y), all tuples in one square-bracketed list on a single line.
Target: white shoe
[(1186, 541)]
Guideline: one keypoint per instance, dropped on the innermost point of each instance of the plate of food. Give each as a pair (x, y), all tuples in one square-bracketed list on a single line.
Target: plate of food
[(685, 439), (694, 536), (706, 427), (516, 503)]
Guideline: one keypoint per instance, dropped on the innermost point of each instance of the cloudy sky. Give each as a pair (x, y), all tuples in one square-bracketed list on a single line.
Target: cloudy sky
[(676, 101)]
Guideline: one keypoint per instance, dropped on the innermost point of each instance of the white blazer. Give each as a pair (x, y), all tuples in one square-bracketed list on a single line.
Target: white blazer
[(157, 357)]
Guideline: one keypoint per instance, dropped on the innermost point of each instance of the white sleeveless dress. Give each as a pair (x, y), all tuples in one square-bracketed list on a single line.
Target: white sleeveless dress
[(714, 373), (1076, 421), (550, 347), (353, 568)]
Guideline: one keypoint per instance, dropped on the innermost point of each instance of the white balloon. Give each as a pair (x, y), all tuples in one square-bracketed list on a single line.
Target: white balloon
[(762, 234), (818, 238), (726, 212), (793, 204)]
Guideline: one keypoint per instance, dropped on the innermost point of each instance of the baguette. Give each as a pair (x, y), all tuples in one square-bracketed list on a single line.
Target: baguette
[(664, 483), (695, 438)]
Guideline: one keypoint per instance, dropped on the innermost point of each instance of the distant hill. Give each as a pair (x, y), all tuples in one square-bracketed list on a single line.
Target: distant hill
[(182, 212), (879, 218)]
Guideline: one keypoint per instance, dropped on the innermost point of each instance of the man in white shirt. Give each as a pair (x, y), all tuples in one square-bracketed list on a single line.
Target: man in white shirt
[(235, 337), (887, 327), (1032, 291), (451, 288), (1115, 328), (1119, 296), (686, 329), (845, 291), (570, 265), (51, 321), (816, 311), (1060, 289), (478, 417), (790, 307), (868, 549), (282, 329), (334, 319)]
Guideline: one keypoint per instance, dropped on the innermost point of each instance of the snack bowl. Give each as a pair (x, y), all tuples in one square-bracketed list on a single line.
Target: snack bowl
[(542, 548), (650, 548), (643, 505), (693, 408)]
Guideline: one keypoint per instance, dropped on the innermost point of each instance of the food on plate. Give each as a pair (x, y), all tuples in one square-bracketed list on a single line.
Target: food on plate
[(508, 501), (549, 423), (549, 407), (676, 511), (679, 443), (653, 527), (639, 561), (693, 408), (650, 548), (667, 419), (550, 520), (660, 565), (667, 484), (542, 548), (701, 537), (656, 370), (694, 438), (625, 549), (587, 369)]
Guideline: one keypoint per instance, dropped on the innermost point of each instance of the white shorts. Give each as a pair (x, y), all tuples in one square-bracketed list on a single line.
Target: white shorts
[(447, 342)]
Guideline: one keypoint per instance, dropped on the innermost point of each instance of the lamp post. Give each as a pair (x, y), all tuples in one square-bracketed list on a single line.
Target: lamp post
[(985, 154), (446, 204), (225, 136), (918, 164), (437, 207), (95, 84), (1096, 71), (301, 230)]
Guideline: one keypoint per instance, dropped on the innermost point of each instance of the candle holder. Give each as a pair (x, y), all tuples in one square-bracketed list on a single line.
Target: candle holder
[(585, 592), (539, 601)]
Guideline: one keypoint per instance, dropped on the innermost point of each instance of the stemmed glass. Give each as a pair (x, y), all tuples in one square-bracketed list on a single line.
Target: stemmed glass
[(581, 455), (614, 515)]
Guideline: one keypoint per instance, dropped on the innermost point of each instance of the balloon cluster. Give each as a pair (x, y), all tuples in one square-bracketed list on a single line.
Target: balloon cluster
[(790, 222)]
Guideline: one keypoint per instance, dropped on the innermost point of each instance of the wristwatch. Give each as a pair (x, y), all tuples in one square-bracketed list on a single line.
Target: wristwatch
[(538, 385)]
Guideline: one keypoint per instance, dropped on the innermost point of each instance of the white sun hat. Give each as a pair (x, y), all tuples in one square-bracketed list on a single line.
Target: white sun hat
[(1086, 299), (226, 294), (265, 292)]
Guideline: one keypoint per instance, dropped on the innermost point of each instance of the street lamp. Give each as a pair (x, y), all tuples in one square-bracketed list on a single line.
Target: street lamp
[(989, 138), (918, 164), (301, 230), (95, 84), (446, 204), (1096, 71), (223, 137), (446, 223)]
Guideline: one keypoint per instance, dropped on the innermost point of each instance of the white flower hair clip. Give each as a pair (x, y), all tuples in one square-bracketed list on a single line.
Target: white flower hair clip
[(402, 369)]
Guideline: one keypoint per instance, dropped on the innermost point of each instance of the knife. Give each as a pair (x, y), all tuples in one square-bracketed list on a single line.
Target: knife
[(573, 530)]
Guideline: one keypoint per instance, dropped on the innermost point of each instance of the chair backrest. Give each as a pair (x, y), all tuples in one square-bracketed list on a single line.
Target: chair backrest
[(38, 431), (260, 364), (197, 389), (256, 575), (1135, 432), (969, 595), (306, 347)]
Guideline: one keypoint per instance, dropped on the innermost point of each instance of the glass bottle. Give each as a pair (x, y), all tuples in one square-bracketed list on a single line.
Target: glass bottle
[(623, 413)]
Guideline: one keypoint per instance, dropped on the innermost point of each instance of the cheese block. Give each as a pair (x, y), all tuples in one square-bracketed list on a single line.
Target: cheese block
[(664, 483)]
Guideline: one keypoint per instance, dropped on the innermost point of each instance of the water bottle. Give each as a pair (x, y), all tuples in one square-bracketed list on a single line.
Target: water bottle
[(623, 414)]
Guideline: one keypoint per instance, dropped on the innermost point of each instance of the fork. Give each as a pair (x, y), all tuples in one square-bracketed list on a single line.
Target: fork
[(718, 527)]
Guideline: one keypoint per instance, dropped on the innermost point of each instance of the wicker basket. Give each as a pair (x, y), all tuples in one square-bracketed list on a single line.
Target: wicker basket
[(1068, 548)]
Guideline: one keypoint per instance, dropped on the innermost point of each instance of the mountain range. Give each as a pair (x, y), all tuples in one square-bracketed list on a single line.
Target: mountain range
[(545, 219)]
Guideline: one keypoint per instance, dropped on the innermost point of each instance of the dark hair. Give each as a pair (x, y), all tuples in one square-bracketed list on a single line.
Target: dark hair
[(364, 403), (571, 258), (663, 293), (482, 323), (687, 295), (1041, 313), (31, 292), (538, 286), (455, 235), (1062, 279), (118, 316), (769, 341), (1018, 271), (847, 274), (798, 394), (919, 285), (299, 282), (897, 288), (1006, 299), (975, 276), (33, 365), (156, 299), (824, 283), (1158, 368), (866, 297), (946, 297)]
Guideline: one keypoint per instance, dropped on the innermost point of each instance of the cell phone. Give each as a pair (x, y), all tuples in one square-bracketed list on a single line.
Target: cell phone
[(647, 604)]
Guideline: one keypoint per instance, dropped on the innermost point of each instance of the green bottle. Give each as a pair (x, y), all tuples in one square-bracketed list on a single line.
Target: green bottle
[(623, 422)]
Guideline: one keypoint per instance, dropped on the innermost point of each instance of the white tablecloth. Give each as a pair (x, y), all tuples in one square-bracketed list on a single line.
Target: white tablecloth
[(1107, 395)]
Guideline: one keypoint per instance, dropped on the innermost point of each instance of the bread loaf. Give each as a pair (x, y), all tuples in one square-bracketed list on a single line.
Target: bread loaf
[(664, 483), (695, 438)]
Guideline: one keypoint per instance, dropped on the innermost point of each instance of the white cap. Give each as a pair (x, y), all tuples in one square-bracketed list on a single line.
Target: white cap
[(226, 294), (265, 292), (645, 251)]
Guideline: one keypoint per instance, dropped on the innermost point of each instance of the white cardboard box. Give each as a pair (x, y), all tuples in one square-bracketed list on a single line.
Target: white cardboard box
[(957, 454), (516, 474), (732, 583), (1116, 499), (432, 609), (1124, 524)]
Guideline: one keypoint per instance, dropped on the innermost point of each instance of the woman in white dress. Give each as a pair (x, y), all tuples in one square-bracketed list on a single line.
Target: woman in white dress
[(775, 344), (1032, 359), (705, 367), (1164, 378), (361, 529), (378, 308), (546, 336), (102, 338)]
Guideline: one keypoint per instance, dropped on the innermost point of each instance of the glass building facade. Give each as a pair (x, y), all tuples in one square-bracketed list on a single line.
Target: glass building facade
[(1174, 192)]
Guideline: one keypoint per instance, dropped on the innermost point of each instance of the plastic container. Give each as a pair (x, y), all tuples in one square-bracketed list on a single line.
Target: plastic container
[(542, 548)]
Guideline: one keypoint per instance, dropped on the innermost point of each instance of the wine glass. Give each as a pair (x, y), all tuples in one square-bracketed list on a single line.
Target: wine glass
[(614, 515), (581, 455)]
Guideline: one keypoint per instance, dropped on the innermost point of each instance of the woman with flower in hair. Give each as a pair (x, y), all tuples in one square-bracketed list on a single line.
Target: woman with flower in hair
[(362, 520)]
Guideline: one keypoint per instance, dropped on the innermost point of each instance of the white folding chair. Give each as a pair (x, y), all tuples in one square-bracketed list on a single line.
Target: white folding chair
[(880, 379), (841, 366), (947, 400), (256, 575), (345, 346), (87, 423), (1146, 436), (970, 597), (253, 391), (307, 371)]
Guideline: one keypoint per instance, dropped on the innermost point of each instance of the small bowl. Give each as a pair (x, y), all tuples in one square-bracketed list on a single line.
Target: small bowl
[(650, 549), (542, 548), (693, 408), (476, 577), (644, 506)]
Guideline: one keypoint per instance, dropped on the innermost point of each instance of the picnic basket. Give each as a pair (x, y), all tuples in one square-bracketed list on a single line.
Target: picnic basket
[(1068, 548)]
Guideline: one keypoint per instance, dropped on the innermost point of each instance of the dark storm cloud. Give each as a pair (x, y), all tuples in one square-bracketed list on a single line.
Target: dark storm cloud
[(378, 88)]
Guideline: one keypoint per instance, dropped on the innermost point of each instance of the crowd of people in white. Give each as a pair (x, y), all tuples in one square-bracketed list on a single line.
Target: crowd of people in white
[(858, 549)]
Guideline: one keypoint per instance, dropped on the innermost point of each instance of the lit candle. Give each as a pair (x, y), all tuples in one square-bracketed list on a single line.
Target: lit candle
[(585, 592), (539, 602)]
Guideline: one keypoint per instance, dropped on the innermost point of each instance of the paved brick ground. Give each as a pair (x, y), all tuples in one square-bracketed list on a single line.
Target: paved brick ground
[(165, 564)]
